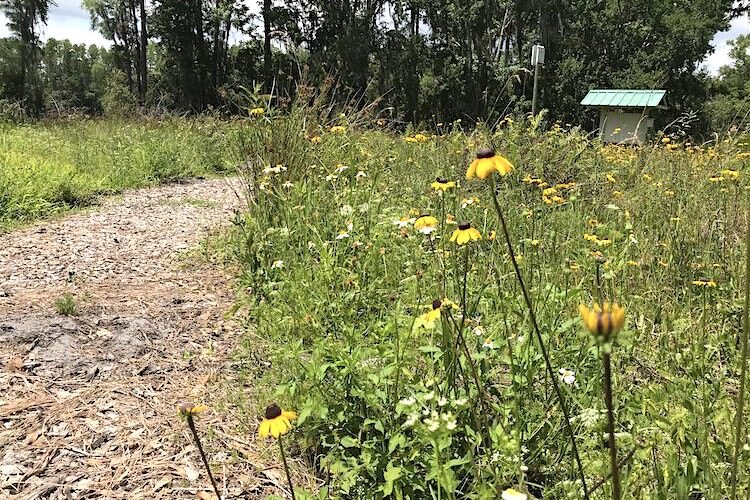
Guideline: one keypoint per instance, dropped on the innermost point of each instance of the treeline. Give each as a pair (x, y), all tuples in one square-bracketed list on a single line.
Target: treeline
[(424, 59)]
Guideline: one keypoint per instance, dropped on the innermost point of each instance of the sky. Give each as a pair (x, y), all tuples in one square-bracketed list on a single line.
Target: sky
[(69, 20)]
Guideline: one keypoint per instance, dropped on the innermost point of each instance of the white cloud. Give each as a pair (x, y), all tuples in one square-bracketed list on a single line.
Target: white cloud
[(720, 56), (67, 20)]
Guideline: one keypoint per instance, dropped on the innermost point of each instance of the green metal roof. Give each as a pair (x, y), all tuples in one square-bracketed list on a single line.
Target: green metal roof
[(621, 98)]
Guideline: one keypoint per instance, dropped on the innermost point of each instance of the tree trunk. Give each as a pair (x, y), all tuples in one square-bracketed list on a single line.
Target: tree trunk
[(143, 60), (267, 67)]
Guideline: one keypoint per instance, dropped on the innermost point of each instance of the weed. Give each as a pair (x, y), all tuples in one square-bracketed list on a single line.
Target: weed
[(66, 305)]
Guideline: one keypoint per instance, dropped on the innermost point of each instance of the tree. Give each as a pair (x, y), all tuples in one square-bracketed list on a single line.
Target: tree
[(125, 23), (23, 18)]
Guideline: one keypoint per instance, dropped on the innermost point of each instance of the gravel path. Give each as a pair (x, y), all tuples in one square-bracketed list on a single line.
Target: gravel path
[(87, 402)]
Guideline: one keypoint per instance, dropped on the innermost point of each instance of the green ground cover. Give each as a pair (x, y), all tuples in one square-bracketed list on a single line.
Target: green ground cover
[(399, 397), (47, 168)]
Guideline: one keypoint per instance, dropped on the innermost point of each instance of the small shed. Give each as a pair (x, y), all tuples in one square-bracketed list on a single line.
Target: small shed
[(625, 115)]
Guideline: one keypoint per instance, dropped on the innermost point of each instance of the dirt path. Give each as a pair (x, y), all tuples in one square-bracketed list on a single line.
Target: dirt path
[(87, 402)]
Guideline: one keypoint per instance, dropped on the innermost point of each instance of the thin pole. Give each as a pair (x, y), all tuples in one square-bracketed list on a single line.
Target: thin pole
[(536, 89)]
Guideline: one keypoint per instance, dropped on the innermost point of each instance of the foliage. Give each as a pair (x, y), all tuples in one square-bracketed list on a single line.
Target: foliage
[(339, 284), (52, 167)]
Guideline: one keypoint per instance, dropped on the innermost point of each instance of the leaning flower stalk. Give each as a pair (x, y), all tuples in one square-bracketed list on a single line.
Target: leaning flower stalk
[(276, 423), (743, 366), (483, 167), (187, 410)]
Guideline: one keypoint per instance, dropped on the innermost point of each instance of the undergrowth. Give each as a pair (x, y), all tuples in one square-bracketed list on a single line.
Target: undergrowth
[(412, 360), (48, 168)]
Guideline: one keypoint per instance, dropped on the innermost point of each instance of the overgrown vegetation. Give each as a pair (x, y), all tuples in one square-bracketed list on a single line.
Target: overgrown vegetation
[(47, 168), (412, 360)]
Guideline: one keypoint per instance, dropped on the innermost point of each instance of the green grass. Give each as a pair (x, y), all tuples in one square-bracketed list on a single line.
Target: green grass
[(49, 168), (66, 305), (388, 407)]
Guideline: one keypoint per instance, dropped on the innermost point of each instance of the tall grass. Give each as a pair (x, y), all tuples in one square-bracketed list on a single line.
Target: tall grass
[(337, 278), (46, 168)]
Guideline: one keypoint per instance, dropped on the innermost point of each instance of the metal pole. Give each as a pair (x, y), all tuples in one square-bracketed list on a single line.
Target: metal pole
[(536, 88)]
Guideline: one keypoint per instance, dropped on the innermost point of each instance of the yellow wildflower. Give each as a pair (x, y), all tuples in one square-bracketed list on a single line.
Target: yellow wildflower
[(425, 224), (338, 129), (706, 283), (256, 112), (276, 422), (186, 409), (487, 162), (465, 234), (442, 184), (605, 321)]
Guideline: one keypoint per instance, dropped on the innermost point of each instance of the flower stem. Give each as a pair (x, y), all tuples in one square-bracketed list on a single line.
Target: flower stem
[(540, 340), (743, 359), (191, 424), (286, 468), (607, 362)]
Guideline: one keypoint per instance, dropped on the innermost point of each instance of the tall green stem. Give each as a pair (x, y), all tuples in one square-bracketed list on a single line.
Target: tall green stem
[(540, 340), (607, 362), (286, 469), (743, 359), (193, 430)]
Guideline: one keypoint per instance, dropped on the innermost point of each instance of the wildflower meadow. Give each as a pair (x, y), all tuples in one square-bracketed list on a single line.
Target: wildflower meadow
[(520, 312)]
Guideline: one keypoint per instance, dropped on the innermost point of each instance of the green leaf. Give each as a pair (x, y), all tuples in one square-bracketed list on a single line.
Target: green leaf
[(349, 442)]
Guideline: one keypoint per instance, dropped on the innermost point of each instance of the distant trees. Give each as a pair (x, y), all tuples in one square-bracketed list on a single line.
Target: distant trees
[(423, 58), (23, 18)]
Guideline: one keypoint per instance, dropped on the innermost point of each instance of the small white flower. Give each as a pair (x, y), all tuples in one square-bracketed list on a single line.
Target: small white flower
[(408, 401), (346, 210), (442, 402), (460, 402), (513, 494), (427, 229), (521, 339), (403, 222), (277, 264), (567, 376), (342, 235), (288, 185), (341, 168), (429, 396), (274, 170), (361, 174), (488, 344), (411, 420), (478, 331), (331, 177), (432, 425)]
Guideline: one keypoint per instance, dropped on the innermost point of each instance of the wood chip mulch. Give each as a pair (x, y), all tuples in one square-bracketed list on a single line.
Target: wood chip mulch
[(88, 402)]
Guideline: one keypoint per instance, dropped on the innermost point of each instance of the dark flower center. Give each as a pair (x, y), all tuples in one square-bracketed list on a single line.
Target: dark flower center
[(437, 304), (485, 153), (442, 180), (272, 412), (464, 225), (424, 215)]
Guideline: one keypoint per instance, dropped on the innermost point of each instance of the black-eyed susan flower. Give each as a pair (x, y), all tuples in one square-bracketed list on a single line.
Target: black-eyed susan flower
[(487, 162), (429, 319), (186, 409), (338, 129), (276, 422), (605, 321), (425, 223), (465, 234), (442, 184)]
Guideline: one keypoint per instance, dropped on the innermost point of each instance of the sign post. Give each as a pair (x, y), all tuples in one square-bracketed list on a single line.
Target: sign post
[(537, 59)]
